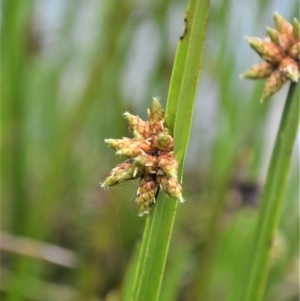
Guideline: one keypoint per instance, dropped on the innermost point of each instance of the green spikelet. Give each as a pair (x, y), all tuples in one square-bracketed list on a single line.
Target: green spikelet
[(273, 34), (156, 116), (138, 136), (296, 29), (129, 147), (168, 165), (270, 52), (261, 70), (118, 143), (171, 187), (273, 84), (140, 127), (164, 141), (134, 148), (147, 162), (283, 40), (125, 171)]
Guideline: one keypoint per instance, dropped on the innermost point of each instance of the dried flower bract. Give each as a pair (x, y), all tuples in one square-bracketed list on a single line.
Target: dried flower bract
[(150, 157), (281, 55)]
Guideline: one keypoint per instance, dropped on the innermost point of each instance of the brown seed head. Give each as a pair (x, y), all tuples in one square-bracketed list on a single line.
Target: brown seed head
[(151, 158), (281, 55)]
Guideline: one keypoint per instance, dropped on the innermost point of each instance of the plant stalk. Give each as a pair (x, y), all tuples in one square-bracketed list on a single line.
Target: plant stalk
[(272, 199), (179, 112)]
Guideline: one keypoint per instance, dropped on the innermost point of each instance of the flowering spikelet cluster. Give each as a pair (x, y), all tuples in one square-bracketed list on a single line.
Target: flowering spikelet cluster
[(281, 55), (150, 157)]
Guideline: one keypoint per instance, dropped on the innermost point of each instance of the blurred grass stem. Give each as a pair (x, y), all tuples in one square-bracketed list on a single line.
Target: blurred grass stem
[(272, 199)]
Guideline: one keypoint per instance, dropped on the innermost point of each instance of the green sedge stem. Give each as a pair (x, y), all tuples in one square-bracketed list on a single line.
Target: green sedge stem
[(272, 198)]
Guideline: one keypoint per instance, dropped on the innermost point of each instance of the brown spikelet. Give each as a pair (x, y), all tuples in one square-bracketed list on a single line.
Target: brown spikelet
[(294, 51), (289, 67), (274, 84), (156, 117), (135, 148), (261, 70), (269, 51), (138, 125), (125, 171), (146, 193), (282, 25)]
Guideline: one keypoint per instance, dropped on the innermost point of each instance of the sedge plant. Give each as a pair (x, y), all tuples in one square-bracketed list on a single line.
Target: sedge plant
[(157, 160), (49, 158)]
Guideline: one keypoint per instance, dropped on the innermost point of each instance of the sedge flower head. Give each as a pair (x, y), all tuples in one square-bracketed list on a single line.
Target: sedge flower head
[(149, 157), (281, 55)]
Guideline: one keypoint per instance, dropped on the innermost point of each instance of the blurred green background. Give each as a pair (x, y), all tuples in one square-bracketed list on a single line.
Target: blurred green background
[(69, 70)]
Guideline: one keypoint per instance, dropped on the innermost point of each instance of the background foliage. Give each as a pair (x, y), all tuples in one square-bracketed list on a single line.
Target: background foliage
[(69, 69)]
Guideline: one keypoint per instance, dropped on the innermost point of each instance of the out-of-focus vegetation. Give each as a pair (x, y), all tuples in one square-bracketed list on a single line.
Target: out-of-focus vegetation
[(69, 69)]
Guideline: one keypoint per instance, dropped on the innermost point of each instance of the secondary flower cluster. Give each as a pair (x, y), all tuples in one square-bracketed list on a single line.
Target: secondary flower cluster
[(281, 52), (150, 157)]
